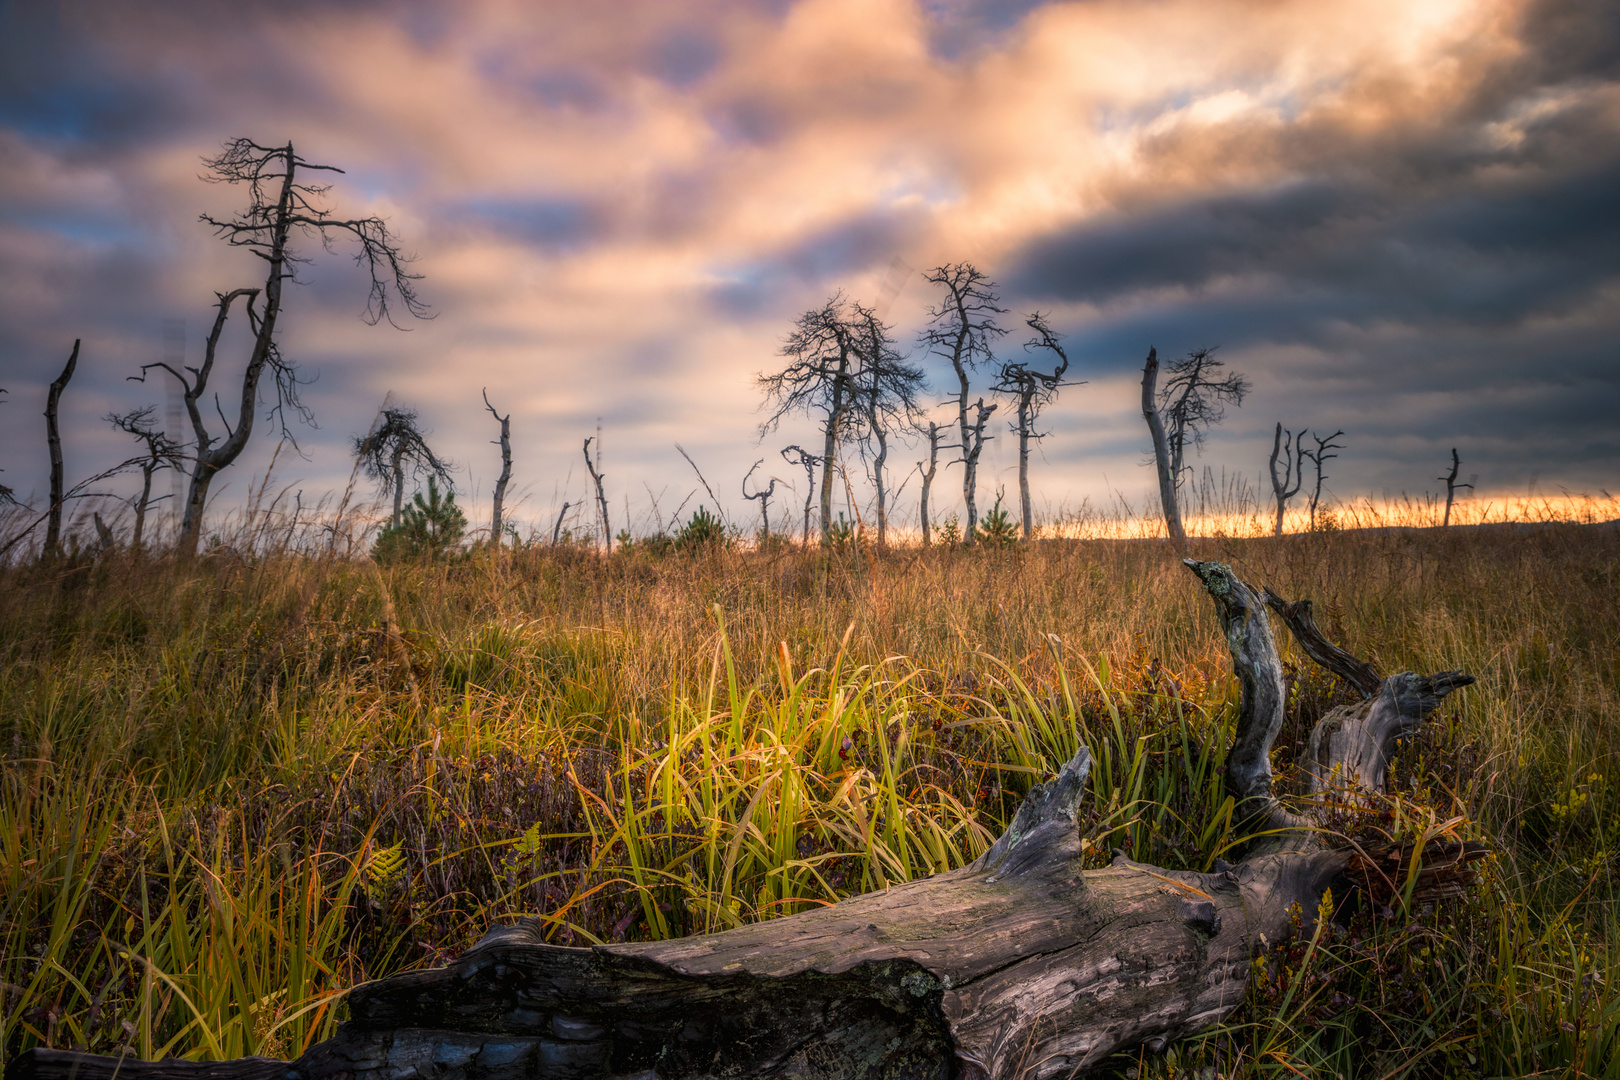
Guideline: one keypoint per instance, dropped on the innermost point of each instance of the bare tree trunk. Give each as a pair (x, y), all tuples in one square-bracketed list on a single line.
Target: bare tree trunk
[(140, 507), (807, 460), (764, 498), (1161, 454), (877, 480), (1020, 964), (829, 449), (601, 497), (1024, 421), (1452, 485), (1320, 457), (506, 472), (556, 530), (53, 439), (928, 479), (972, 447), (1293, 459), (398, 465)]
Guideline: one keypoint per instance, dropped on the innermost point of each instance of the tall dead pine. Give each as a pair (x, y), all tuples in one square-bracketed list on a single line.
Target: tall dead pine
[(962, 330), (53, 439), (1452, 485), (1287, 447), (601, 496), (1032, 389), (1161, 453), (495, 521)]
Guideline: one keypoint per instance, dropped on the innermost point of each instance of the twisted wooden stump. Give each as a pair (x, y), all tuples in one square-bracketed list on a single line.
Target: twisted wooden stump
[(1018, 965)]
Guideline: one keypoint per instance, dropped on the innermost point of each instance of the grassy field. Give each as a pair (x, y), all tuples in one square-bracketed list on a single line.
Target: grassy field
[(233, 789)]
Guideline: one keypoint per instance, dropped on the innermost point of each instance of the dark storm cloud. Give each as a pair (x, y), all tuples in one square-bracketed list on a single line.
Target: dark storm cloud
[(1357, 253), (960, 27), (831, 254)]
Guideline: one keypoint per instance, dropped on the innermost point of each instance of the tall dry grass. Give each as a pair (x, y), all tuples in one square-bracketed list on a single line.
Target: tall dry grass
[(233, 788)]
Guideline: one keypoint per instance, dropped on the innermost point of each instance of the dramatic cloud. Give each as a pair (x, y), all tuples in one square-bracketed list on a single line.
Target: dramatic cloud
[(1397, 218)]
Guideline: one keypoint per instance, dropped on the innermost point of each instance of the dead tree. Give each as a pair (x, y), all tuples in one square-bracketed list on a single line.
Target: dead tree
[(1319, 457), (397, 440), (1289, 448), (556, 530), (819, 378), (1451, 485), (928, 479), (1193, 400), (886, 390), (601, 496), (162, 452), (506, 470), (278, 204), (1032, 390), (1168, 501), (1019, 964), (53, 440), (962, 330), (809, 461), (764, 498)]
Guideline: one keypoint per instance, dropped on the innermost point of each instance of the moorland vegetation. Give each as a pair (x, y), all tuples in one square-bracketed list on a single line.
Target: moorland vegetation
[(233, 787)]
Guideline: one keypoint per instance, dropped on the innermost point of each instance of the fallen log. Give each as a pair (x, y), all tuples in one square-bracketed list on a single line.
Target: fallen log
[(1019, 964)]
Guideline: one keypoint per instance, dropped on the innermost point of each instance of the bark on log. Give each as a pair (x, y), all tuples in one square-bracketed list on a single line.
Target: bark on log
[(1020, 964)]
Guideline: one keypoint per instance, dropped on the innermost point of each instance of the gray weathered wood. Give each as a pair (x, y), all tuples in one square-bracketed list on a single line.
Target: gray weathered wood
[(1019, 964)]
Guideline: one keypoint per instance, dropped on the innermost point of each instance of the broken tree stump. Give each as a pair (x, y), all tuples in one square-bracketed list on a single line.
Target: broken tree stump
[(1019, 964)]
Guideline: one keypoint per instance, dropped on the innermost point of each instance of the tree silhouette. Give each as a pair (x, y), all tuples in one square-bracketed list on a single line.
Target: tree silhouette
[(53, 439), (1320, 457), (1289, 448), (162, 452), (1192, 400), (279, 204), (764, 498), (798, 455), (886, 389), (1031, 390), (962, 329), (396, 441), (1452, 485), (820, 377), (506, 470)]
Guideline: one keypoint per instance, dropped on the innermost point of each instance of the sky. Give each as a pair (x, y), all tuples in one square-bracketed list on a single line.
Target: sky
[(1400, 219)]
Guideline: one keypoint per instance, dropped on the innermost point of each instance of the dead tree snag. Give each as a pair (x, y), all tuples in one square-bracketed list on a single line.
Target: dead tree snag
[(597, 477), (764, 498), (1451, 486), (495, 521), (53, 439), (1289, 448), (1019, 964)]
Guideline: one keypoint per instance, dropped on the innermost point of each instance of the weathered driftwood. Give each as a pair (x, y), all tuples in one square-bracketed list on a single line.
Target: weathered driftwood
[(1020, 964)]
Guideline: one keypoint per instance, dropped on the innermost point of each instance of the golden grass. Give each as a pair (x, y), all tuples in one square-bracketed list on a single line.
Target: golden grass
[(233, 788)]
